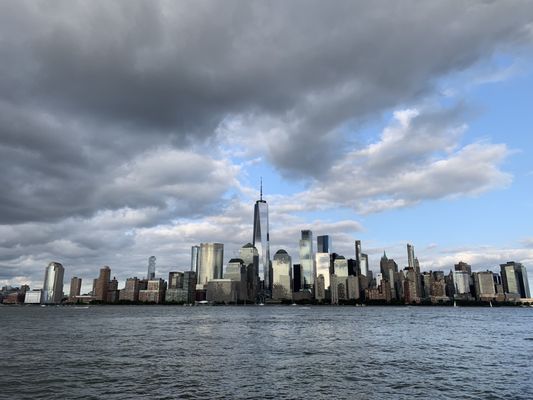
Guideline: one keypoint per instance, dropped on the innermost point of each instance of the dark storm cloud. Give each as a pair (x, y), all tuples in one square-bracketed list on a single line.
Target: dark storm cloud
[(176, 70), (106, 105)]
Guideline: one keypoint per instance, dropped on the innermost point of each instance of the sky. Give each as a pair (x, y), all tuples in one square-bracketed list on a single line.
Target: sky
[(138, 128)]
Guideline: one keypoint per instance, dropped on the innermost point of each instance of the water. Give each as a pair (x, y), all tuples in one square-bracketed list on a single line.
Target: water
[(168, 352)]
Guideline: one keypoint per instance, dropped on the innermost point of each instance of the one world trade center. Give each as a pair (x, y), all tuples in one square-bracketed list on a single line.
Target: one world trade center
[(261, 239)]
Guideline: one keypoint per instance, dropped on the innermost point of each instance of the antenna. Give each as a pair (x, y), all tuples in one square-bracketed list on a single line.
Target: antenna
[(261, 190)]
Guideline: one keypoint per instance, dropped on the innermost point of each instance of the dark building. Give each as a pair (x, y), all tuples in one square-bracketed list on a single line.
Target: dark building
[(296, 277), (323, 244)]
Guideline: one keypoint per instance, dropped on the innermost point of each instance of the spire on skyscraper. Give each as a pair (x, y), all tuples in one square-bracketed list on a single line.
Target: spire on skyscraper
[(261, 190)]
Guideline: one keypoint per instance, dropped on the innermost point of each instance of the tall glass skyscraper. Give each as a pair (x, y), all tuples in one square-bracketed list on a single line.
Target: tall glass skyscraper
[(53, 284), (210, 263), (195, 252), (261, 240), (151, 268), (323, 244), (410, 255), (282, 276), (307, 279)]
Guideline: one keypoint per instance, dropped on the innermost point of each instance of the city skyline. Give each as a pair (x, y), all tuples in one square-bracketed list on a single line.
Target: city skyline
[(122, 140)]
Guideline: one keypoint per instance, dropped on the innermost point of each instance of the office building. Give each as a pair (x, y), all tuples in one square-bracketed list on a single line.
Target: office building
[(484, 284), (211, 263), (184, 291), (461, 280), (195, 256), (53, 284), (131, 289), (323, 244), (514, 279), (75, 287), (33, 296), (261, 240), (236, 271), (282, 276), (308, 273), (320, 290), (151, 268), (175, 280), (322, 263), (410, 256), (250, 257), (101, 285), (222, 291), (154, 292)]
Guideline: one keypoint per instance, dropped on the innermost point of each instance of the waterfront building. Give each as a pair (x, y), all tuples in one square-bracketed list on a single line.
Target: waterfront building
[(175, 280), (222, 291), (296, 278), (211, 263), (154, 292), (340, 269), (33, 296), (53, 284), (411, 286), (461, 280), (308, 273), (250, 257), (322, 262), (389, 270), (132, 289), (151, 268), (112, 291), (323, 244), (236, 271), (320, 291), (426, 279), (352, 284), (484, 284), (334, 289), (261, 240), (514, 279), (75, 287), (184, 291), (282, 276), (101, 285), (399, 285)]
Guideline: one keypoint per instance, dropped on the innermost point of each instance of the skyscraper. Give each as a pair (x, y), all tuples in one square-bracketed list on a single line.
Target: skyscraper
[(307, 279), (210, 262), (410, 256), (322, 263), (358, 257), (53, 284), (323, 244), (195, 251), (101, 286), (75, 287), (261, 239), (151, 268), (514, 279), (282, 276)]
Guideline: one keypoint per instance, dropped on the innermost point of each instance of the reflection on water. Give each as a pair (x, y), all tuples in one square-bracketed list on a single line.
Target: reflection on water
[(266, 352)]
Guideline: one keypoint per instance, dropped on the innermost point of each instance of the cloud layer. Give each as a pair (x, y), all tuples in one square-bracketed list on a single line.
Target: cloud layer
[(120, 123)]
